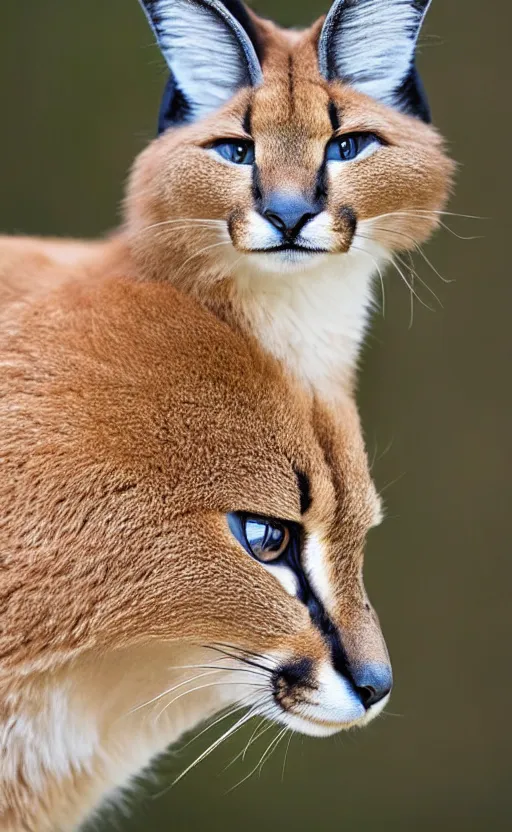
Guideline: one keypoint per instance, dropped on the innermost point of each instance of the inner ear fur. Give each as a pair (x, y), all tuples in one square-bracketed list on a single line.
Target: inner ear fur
[(212, 51)]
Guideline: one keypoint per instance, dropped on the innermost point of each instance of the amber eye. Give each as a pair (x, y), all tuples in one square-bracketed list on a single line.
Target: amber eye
[(264, 538)]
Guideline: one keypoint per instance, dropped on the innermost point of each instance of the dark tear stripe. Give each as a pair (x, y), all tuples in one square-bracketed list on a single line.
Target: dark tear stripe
[(304, 491), (246, 124), (334, 116), (291, 84)]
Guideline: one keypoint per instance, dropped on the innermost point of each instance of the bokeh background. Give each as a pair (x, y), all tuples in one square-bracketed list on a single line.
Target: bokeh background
[(79, 89)]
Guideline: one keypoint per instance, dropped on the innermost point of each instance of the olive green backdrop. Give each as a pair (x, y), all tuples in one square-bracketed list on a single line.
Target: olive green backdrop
[(79, 88)]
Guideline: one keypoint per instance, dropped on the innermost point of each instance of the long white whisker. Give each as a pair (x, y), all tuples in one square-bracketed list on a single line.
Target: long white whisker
[(411, 288), (424, 211), (427, 261), (415, 215), (203, 687), (363, 251), (260, 761), (256, 734), (185, 222), (286, 755), (414, 274), (270, 750), (243, 704), (245, 718), (202, 251), (170, 690)]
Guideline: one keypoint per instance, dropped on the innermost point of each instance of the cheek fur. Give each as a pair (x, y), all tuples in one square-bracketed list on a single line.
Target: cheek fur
[(396, 193)]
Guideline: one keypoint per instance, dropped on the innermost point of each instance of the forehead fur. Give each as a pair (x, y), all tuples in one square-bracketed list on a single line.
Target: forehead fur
[(290, 119), (144, 420)]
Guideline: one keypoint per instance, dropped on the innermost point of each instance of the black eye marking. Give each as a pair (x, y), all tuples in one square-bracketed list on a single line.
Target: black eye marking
[(334, 116), (271, 541), (256, 186), (304, 491), (246, 124)]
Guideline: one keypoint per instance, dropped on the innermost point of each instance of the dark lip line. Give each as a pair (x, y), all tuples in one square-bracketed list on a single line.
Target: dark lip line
[(287, 247)]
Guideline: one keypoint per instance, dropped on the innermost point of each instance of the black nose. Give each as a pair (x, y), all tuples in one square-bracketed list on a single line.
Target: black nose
[(289, 214), (372, 682)]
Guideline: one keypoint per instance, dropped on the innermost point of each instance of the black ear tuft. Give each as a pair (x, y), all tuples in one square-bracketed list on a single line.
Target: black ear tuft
[(209, 52), (371, 45)]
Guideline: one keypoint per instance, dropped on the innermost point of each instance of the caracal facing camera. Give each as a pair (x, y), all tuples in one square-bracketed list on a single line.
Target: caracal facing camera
[(291, 167)]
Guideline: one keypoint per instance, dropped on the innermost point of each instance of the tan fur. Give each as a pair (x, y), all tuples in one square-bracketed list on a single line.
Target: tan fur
[(396, 194), (131, 422), (132, 419)]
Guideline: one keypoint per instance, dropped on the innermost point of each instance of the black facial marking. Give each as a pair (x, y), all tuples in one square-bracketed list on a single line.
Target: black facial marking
[(321, 184), (317, 612), (291, 84), (256, 186), (296, 673), (246, 124), (349, 216), (334, 117), (304, 491)]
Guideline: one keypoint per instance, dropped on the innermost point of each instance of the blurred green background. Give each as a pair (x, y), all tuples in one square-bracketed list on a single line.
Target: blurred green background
[(79, 88)]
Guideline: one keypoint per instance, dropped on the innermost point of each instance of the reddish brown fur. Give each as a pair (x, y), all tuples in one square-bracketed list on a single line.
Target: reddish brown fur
[(132, 420), (291, 127)]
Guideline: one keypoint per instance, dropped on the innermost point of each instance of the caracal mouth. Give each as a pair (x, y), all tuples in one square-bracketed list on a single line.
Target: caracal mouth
[(316, 727), (287, 258)]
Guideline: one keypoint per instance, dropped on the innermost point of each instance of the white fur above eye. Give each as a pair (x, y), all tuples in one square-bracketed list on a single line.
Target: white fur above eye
[(206, 49), (370, 44)]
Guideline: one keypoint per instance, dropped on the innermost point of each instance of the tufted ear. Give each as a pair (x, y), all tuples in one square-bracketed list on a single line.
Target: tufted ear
[(208, 51), (371, 45)]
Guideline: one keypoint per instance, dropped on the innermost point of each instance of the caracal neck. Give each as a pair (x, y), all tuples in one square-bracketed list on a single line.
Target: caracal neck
[(313, 320)]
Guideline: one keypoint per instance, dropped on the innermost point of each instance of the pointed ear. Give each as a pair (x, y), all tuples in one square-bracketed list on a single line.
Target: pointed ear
[(370, 44), (208, 51)]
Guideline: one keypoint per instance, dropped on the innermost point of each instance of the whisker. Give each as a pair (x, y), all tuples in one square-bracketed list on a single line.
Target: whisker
[(286, 755), (242, 721), (256, 734), (383, 294), (411, 288), (415, 274), (423, 211), (271, 749), (272, 745), (170, 690), (186, 222), (248, 661), (200, 252), (203, 687), (243, 704), (412, 215)]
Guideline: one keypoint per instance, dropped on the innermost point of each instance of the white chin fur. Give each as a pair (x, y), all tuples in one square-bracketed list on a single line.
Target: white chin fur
[(332, 707), (286, 261)]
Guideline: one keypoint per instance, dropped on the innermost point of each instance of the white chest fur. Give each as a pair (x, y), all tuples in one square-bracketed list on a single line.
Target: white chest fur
[(314, 319)]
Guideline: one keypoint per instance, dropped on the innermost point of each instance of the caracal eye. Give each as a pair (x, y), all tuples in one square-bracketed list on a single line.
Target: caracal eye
[(264, 538), (348, 147), (238, 152)]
